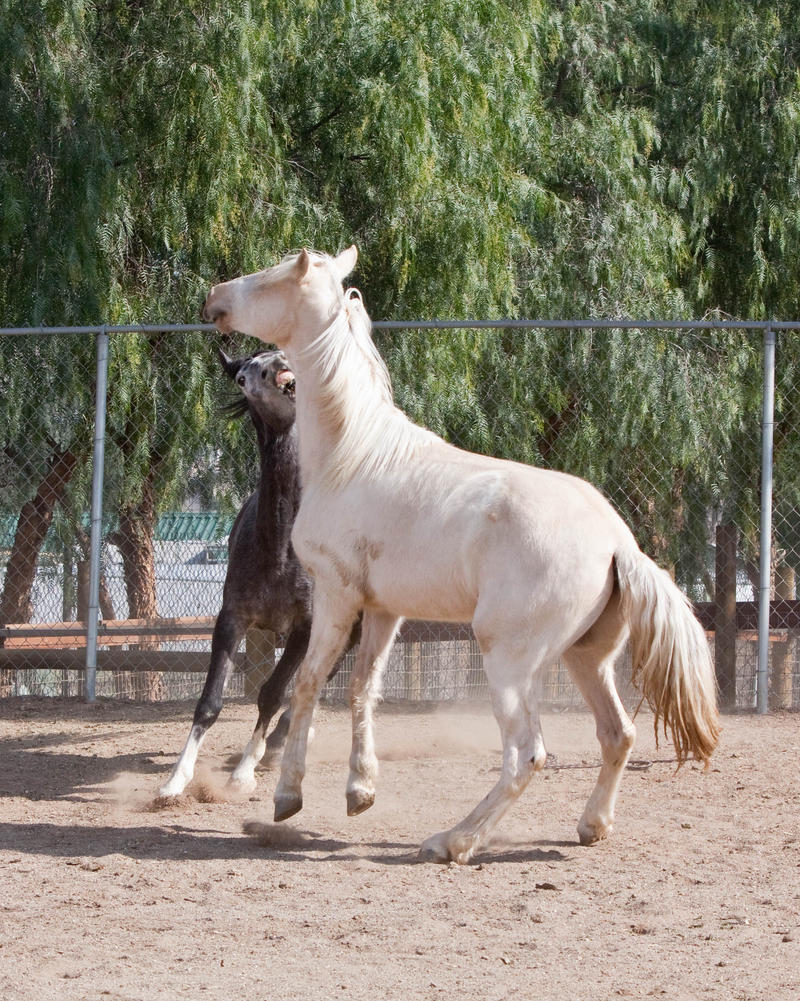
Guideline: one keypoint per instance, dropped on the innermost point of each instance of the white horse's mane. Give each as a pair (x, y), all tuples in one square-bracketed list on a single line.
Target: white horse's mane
[(355, 399)]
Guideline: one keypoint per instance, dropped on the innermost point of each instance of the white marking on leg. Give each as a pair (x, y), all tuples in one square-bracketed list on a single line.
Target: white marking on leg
[(183, 772), (243, 777)]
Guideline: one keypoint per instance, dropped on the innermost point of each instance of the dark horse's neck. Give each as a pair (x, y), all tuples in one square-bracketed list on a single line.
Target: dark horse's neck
[(278, 488)]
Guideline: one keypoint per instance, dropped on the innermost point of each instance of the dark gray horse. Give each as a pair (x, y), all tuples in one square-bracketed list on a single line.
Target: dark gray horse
[(265, 586)]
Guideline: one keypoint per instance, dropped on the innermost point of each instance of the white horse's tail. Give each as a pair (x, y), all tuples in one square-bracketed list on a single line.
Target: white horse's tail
[(672, 664)]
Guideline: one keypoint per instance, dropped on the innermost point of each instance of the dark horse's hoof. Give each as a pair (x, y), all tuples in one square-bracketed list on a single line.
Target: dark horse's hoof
[(358, 801), (287, 806)]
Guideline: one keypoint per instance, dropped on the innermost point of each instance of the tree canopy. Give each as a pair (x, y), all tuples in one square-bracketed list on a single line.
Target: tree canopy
[(529, 158), (535, 158)]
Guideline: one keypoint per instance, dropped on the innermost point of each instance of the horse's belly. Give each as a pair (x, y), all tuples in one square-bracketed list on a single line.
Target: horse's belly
[(417, 590)]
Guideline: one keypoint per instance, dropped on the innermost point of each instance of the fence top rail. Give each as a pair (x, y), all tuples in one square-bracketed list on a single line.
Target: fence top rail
[(128, 328), (599, 323), (613, 323)]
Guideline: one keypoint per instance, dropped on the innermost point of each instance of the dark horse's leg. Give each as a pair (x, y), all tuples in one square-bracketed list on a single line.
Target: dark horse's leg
[(227, 635), (269, 702)]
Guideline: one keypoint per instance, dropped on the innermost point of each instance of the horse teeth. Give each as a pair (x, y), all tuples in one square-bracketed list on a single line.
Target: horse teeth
[(285, 381)]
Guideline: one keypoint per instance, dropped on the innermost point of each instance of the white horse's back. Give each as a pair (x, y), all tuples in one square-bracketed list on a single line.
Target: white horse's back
[(471, 534)]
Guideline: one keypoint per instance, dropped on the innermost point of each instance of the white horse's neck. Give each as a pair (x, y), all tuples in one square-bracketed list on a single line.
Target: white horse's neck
[(347, 424), (316, 438)]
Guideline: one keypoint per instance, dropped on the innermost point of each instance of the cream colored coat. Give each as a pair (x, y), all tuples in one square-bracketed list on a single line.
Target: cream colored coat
[(397, 523)]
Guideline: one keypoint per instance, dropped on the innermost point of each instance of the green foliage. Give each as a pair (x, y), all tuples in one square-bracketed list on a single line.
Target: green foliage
[(530, 158), (527, 158)]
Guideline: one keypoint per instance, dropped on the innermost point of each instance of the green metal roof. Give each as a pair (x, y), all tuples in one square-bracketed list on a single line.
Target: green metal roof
[(173, 526), (191, 526)]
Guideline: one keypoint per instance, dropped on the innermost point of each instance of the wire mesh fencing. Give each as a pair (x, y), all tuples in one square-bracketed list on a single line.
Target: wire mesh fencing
[(784, 623), (666, 420)]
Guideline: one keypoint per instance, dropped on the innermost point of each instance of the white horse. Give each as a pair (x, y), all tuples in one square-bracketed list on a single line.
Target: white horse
[(398, 523)]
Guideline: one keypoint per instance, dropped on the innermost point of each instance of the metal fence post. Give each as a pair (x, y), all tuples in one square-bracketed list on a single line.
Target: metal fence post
[(765, 534), (98, 465)]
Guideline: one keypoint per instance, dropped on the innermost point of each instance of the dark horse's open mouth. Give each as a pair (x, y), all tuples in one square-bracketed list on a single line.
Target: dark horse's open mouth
[(285, 382)]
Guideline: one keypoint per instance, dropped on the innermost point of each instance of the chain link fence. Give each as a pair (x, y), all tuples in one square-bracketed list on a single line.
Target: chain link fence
[(124, 461)]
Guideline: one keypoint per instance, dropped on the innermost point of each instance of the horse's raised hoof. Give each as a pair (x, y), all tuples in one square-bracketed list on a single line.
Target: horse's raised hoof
[(287, 806), (358, 800)]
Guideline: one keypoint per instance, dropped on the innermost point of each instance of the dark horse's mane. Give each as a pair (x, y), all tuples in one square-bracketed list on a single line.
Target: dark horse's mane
[(234, 408)]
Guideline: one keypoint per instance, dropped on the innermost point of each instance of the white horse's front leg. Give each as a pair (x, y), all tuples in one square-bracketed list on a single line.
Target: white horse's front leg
[(330, 631), (377, 634)]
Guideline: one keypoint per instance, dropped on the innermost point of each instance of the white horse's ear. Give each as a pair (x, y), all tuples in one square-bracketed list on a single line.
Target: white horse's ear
[(302, 265), (345, 262)]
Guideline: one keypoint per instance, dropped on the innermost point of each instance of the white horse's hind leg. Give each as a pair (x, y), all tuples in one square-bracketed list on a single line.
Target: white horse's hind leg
[(523, 754), (591, 664), (377, 634), (330, 631)]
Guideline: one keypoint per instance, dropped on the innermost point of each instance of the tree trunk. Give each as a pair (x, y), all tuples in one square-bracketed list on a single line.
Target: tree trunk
[(84, 570), (106, 601), (134, 538), (35, 519), (782, 654), (657, 519), (725, 616)]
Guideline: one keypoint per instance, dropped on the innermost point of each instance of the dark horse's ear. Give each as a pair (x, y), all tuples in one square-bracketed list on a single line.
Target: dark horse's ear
[(230, 365)]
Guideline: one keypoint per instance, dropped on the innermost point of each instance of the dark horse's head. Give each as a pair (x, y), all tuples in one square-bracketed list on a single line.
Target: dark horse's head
[(267, 385)]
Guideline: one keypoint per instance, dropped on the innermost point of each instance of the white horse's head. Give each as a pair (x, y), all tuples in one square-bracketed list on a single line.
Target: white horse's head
[(286, 304)]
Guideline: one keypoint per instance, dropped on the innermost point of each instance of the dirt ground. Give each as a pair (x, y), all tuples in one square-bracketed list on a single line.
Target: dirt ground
[(695, 895)]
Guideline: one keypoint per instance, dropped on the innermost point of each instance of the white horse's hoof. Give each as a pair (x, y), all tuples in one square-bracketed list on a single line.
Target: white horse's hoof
[(435, 849), (359, 800), (448, 847), (433, 855), (287, 805), (590, 834)]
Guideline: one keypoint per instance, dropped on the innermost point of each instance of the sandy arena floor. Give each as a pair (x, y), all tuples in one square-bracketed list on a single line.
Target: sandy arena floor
[(696, 895)]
